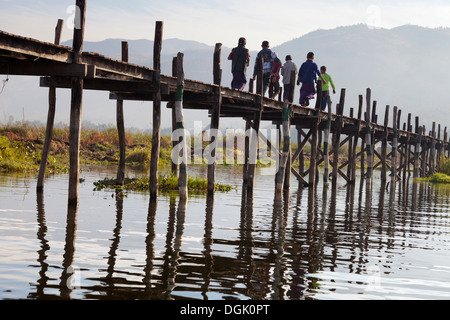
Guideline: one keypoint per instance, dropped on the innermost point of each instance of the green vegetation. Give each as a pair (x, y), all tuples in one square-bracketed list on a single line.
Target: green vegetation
[(21, 148), (445, 166), (23, 156), (439, 178), (166, 183), (443, 176)]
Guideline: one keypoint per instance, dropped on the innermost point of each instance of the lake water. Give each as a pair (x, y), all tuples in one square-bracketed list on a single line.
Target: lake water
[(346, 243)]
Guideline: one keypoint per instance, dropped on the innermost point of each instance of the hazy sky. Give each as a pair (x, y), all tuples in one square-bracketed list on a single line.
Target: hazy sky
[(212, 21)]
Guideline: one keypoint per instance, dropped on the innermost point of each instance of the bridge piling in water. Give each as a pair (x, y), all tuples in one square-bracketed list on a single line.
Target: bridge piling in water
[(76, 106), (50, 119)]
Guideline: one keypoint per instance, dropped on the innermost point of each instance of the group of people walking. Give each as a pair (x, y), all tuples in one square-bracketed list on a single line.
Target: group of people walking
[(272, 67)]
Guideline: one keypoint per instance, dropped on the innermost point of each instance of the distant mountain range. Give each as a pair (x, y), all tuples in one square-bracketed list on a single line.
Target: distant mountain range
[(405, 66)]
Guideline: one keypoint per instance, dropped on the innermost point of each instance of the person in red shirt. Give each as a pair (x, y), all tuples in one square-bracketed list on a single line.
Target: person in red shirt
[(274, 89)]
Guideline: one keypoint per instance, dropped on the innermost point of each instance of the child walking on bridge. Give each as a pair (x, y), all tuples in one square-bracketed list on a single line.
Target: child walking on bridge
[(326, 86)]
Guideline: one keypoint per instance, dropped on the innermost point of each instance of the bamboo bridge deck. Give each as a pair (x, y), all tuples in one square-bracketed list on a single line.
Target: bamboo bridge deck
[(65, 67)]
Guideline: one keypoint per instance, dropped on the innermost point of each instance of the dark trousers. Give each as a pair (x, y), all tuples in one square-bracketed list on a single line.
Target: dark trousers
[(239, 80), (266, 80), (325, 95), (274, 87), (288, 93)]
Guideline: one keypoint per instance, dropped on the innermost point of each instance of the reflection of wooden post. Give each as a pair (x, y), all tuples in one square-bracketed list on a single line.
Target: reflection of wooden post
[(76, 106), (156, 134), (50, 119), (215, 118), (121, 126)]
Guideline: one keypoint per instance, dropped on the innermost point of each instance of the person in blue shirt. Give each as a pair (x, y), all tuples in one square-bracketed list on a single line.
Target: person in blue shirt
[(307, 76), (268, 58)]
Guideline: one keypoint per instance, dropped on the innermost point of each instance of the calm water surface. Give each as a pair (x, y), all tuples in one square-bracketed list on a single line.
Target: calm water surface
[(346, 243)]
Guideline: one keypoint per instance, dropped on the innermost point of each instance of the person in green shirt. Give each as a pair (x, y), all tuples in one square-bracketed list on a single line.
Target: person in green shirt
[(326, 86)]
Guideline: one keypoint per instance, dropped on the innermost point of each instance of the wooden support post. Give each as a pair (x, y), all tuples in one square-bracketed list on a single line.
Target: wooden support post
[(215, 117), (121, 126), (368, 139), (319, 95), (408, 147), (314, 139), (433, 149), (394, 149), (439, 150), (424, 153), (156, 134), (76, 106), (253, 149), (363, 139), (287, 177), (355, 141), (350, 150), (402, 148), (179, 118), (373, 132), (337, 136), (246, 152), (174, 168), (417, 154), (280, 176), (283, 175), (384, 146), (325, 145), (50, 120), (446, 149), (301, 159), (313, 159), (250, 85)]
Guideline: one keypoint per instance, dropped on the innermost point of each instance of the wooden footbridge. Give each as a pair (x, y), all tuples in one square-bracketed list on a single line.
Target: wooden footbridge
[(403, 149)]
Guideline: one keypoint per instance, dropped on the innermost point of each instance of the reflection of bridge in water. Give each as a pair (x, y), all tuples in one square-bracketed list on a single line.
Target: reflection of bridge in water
[(274, 260), (62, 67)]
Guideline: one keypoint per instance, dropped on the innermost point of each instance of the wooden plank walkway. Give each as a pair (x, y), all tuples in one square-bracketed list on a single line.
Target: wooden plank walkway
[(404, 149)]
